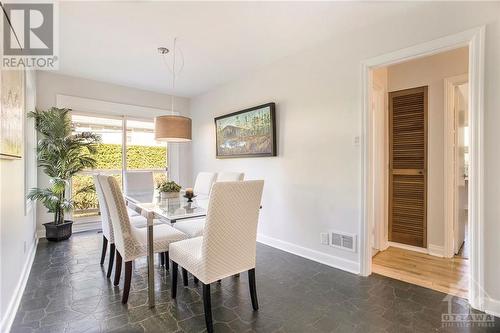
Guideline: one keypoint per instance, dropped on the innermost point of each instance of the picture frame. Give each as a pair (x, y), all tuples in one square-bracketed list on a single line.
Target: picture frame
[(247, 133), (12, 110)]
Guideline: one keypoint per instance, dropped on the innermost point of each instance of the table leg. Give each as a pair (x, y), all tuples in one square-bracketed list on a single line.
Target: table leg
[(151, 277)]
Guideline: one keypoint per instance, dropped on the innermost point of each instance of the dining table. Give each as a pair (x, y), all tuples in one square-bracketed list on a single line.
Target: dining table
[(153, 206)]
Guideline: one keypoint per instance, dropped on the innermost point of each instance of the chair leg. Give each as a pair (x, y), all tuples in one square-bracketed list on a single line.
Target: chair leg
[(104, 248), (173, 288), (208, 308), (162, 258), (128, 278), (195, 279), (118, 268), (112, 250), (167, 261), (253, 289), (185, 277)]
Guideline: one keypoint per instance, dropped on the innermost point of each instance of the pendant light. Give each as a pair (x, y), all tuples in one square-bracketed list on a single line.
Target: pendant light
[(172, 127)]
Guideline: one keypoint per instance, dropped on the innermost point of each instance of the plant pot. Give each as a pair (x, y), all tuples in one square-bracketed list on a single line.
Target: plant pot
[(169, 195), (58, 232)]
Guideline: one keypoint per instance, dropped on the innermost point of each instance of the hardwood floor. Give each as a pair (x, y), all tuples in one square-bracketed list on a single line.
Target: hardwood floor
[(442, 274)]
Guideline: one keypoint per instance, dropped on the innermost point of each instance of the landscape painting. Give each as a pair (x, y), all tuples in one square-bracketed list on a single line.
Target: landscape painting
[(247, 133), (11, 113)]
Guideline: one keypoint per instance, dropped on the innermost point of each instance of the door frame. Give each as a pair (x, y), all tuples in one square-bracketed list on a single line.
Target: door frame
[(449, 190), (474, 39), (380, 225)]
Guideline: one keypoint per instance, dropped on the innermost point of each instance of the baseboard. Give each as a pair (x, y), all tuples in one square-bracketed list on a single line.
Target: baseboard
[(436, 250), (492, 307), (13, 305), (408, 247), (323, 258), (77, 227), (432, 250)]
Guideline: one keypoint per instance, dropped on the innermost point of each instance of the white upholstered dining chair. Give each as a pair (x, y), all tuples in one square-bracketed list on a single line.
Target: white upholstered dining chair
[(230, 176), (107, 228), (131, 242), (228, 244), (194, 227), (202, 186), (203, 183), (138, 182)]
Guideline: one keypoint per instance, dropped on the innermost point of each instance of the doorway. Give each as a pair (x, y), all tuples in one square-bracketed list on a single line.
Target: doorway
[(409, 229), (408, 166)]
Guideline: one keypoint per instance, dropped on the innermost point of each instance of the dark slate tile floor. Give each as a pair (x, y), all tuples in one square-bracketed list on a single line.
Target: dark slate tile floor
[(67, 291)]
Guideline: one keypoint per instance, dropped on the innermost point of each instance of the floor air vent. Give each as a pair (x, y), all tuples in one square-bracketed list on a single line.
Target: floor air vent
[(343, 241)]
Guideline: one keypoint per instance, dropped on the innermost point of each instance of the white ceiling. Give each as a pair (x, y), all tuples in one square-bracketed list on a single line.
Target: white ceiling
[(116, 42)]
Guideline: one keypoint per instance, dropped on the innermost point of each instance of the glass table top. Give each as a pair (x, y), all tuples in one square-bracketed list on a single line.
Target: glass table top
[(171, 209)]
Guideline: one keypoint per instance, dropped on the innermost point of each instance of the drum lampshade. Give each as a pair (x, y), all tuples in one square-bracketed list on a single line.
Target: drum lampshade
[(173, 128)]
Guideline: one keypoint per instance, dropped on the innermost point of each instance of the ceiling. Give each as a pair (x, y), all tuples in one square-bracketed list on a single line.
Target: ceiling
[(117, 42)]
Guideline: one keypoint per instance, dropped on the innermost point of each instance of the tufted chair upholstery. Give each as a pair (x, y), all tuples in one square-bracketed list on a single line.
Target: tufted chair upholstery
[(228, 244), (131, 242), (107, 228)]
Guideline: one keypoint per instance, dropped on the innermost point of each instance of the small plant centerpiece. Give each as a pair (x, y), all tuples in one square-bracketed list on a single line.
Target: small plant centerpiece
[(168, 189), (61, 154)]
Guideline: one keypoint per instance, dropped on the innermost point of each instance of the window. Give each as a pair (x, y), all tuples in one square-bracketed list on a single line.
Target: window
[(143, 152), (140, 152)]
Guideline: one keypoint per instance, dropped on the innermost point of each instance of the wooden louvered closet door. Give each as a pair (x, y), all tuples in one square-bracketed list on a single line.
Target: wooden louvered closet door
[(408, 166)]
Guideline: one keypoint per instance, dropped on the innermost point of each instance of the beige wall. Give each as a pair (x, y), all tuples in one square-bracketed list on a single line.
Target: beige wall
[(17, 216), (431, 71), (50, 84), (314, 184)]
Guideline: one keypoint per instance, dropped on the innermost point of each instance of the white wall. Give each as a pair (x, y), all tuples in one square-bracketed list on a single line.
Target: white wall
[(17, 224), (431, 71), (49, 85), (314, 183)]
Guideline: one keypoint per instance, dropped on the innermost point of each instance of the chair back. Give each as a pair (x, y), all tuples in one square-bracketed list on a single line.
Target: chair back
[(138, 182), (118, 213), (230, 176), (107, 227), (203, 183), (230, 233)]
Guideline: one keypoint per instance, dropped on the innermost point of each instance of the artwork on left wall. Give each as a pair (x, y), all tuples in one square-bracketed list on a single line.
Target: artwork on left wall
[(11, 113)]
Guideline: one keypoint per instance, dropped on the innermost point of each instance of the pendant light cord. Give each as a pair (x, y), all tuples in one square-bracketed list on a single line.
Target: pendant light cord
[(173, 76), (172, 68)]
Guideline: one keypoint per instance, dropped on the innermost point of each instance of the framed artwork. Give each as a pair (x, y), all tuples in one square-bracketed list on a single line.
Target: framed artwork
[(11, 114), (247, 133)]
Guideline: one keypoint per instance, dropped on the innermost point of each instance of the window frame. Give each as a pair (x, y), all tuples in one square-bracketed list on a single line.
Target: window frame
[(123, 119)]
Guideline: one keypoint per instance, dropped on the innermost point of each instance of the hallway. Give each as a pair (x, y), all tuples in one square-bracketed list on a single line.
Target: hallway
[(442, 274)]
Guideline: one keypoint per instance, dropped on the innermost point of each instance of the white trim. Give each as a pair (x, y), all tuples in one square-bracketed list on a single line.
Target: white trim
[(449, 139), (323, 258), (432, 250), (13, 305), (474, 39), (476, 168), (435, 250), (81, 104), (492, 306), (408, 247)]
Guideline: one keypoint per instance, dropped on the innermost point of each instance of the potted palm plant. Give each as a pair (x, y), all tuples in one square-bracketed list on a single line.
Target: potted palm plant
[(61, 154)]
